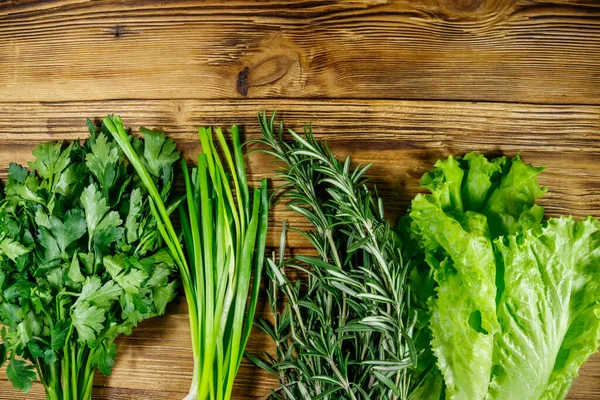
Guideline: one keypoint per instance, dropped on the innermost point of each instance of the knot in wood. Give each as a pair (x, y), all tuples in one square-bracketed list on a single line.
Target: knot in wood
[(462, 6), (263, 73), (484, 10)]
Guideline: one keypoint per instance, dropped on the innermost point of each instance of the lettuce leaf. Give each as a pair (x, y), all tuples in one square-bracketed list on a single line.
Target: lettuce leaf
[(511, 206), (549, 310), (462, 231), (504, 190), (432, 388), (463, 309)]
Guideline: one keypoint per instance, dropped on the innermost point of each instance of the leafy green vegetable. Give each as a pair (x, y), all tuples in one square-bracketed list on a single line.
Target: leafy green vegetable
[(50, 160), (88, 320), (504, 190), (59, 334), (463, 309), (508, 296), (132, 223), (549, 311), (20, 374), (104, 358), (12, 249), (224, 240), (73, 274)]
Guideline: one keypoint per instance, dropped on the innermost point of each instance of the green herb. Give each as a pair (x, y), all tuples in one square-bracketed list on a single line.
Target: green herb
[(347, 330), (522, 293), (80, 261), (224, 240)]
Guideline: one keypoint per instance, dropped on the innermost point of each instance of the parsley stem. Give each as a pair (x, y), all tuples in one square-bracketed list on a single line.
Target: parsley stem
[(73, 371), (88, 376), (52, 383)]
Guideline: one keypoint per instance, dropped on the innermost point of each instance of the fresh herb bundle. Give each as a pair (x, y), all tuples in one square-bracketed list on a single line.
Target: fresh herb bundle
[(81, 261), (224, 237), (348, 330)]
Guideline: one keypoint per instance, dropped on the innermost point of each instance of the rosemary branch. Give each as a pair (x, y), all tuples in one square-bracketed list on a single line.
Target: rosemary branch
[(346, 330)]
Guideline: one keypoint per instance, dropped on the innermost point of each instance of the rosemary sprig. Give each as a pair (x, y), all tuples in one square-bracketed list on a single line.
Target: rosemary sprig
[(346, 330)]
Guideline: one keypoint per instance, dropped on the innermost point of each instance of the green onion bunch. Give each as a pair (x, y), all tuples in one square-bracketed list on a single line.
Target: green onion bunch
[(224, 229)]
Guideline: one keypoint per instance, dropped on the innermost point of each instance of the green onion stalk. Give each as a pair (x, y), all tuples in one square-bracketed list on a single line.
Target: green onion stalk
[(224, 231)]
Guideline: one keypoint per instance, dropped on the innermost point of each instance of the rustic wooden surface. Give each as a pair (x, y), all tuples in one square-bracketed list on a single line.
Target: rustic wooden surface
[(400, 83)]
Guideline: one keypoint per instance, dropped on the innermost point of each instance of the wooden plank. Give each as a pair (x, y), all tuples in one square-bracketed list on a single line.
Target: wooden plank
[(402, 138), (485, 50)]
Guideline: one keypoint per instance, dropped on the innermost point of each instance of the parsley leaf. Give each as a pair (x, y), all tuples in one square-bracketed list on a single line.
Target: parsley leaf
[(159, 151), (162, 295), (75, 271), (10, 314), (20, 374), (66, 232), (50, 160), (104, 358), (11, 248), (68, 180), (135, 208), (59, 334), (17, 173), (130, 281), (88, 320), (101, 161), (97, 294), (98, 216), (35, 349)]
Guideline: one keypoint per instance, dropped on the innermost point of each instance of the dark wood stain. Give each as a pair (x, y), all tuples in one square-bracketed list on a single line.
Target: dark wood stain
[(242, 82), (118, 30)]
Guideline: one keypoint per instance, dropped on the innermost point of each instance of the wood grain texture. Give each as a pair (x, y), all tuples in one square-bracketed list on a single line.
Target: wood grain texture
[(495, 76), (544, 51), (402, 138)]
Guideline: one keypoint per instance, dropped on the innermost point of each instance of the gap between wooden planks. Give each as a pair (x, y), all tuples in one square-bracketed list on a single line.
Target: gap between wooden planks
[(402, 138), (487, 50)]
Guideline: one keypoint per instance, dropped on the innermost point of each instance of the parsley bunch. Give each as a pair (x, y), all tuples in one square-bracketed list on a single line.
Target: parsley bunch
[(81, 259)]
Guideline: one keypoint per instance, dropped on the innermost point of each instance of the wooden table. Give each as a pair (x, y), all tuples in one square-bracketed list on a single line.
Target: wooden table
[(400, 83)]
